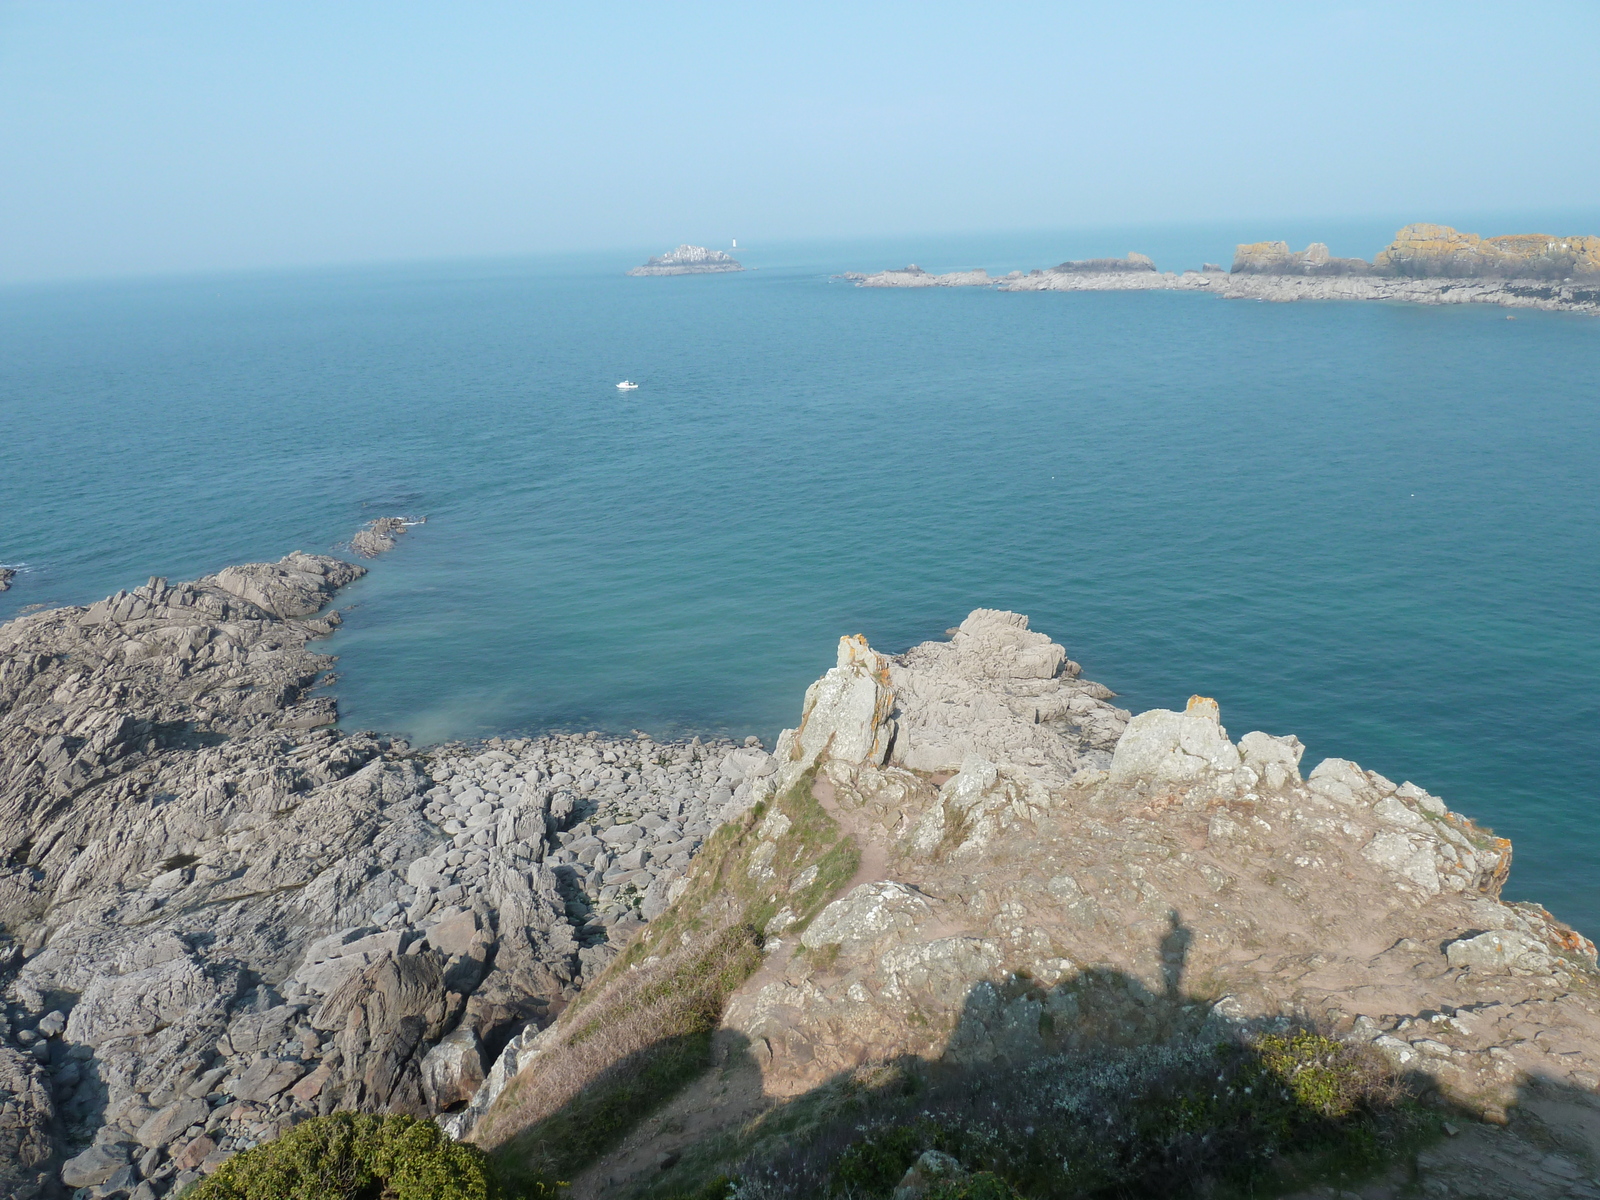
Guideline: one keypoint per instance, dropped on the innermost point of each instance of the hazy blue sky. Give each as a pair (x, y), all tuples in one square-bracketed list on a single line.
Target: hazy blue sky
[(177, 136)]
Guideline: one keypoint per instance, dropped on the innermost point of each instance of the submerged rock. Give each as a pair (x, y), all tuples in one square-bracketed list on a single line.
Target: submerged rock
[(378, 537)]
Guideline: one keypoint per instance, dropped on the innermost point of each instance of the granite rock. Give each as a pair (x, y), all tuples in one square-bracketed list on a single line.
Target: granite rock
[(689, 260), (209, 872)]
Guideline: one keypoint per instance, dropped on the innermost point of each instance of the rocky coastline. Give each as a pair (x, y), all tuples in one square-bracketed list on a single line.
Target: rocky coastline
[(689, 260), (223, 915), (1425, 264), (220, 915)]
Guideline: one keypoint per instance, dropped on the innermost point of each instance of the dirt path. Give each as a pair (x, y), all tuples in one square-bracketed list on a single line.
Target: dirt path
[(874, 854)]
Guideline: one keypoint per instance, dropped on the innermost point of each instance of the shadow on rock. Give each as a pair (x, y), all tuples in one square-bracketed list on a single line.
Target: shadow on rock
[(1096, 1085)]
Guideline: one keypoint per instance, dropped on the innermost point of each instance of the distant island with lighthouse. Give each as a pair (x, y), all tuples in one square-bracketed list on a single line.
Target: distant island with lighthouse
[(690, 260)]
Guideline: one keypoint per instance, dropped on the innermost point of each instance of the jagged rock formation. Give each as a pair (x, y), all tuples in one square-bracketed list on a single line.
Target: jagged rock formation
[(1275, 258), (1428, 251), (378, 537), (7, 574), (1021, 839), (1095, 266), (1424, 251), (689, 260), (219, 915)]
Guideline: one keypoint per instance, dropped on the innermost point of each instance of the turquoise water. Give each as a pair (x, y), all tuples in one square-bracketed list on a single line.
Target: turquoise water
[(1370, 525)]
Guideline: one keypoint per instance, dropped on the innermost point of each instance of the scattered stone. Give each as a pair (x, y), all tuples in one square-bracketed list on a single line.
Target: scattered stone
[(169, 1123), (252, 840), (94, 1165)]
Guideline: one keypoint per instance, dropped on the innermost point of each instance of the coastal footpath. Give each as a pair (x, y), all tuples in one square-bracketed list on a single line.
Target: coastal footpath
[(1425, 264), (640, 967)]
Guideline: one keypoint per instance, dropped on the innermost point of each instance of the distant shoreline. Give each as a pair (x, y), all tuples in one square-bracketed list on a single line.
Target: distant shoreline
[(1424, 264), (1539, 294)]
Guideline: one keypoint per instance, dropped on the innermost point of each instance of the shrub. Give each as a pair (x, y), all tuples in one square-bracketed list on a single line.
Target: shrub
[(878, 1161), (985, 1185), (1186, 1117), (355, 1156)]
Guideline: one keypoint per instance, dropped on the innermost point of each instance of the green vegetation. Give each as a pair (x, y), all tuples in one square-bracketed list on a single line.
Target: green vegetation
[(355, 1156), (1189, 1117), (643, 1029), (619, 1058)]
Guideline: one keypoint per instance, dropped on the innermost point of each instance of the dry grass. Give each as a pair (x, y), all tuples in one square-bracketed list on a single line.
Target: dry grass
[(643, 1029), (629, 1048)]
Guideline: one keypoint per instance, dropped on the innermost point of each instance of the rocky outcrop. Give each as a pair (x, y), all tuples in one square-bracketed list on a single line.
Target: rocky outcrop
[(1275, 258), (1022, 841), (219, 914), (1426, 264), (378, 537), (222, 915), (7, 574), (689, 260), (915, 276), (1426, 251), (1135, 271), (1101, 266)]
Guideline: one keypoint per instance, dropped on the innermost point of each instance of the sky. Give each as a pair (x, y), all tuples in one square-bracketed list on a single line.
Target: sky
[(141, 137)]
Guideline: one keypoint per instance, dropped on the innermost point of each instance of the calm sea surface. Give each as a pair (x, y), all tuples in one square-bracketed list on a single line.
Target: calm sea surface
[(1370, 525)]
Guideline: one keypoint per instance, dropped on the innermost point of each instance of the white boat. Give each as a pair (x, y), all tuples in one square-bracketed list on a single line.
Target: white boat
[(627, 385)]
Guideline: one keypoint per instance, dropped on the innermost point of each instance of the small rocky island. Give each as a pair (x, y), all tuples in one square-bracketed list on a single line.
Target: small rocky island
[(1425, 264), (689, 260), (965, 876)]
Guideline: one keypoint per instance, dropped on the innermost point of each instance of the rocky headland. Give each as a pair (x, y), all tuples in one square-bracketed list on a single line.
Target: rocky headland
[(689, 260), (1425, 264), (641, 966), (968, 855), (219, 914)]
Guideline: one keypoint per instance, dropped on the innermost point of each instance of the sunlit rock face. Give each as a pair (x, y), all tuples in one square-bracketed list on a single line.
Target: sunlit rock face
[(1424, 250)]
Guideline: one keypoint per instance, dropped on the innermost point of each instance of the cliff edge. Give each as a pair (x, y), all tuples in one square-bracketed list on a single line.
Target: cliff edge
[(969, 857)]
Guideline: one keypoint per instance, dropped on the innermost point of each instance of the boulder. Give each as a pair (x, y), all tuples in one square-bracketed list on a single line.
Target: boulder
[(192, 1154), (1501, 950), (169, 1123), (453, 1070), (140, 1002), (95, 1165), (867, 914), (265, 1078), (1162, 746)]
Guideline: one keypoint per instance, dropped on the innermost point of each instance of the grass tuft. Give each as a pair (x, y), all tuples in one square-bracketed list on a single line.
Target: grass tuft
[(642, 1031)]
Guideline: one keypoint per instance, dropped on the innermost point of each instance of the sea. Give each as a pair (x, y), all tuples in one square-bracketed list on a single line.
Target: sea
[(1371, 525)]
